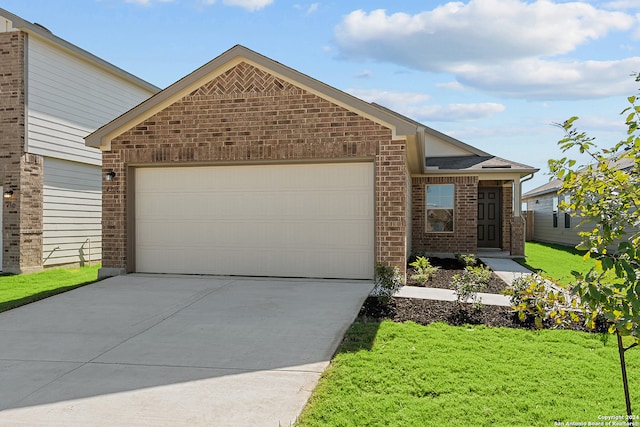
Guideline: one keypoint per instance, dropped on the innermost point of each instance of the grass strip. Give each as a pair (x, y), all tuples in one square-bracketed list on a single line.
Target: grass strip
[(23, 289)]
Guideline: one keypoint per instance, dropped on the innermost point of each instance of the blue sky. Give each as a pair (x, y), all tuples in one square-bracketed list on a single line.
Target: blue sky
[(496, 74)]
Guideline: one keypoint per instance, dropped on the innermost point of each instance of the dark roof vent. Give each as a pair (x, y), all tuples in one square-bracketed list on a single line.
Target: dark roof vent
[(43, 27), (496, 166)]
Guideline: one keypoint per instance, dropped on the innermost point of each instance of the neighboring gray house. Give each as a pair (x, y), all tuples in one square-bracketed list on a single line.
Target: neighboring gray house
[(550, 223), (53, 94)]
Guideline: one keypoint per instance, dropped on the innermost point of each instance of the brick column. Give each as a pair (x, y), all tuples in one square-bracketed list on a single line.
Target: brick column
[(30, 202), (114, 216), (19, 172), (517, 236), (391, 203)]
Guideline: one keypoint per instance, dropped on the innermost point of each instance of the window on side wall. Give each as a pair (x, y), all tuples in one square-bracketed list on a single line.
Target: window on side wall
[(567, 217), (555, 212), (439, 208)]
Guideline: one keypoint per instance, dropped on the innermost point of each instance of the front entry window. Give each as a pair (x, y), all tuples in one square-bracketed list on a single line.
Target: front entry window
[(440, 207)]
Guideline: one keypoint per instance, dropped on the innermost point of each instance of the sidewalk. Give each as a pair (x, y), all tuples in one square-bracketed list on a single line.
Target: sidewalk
[(506, 269)]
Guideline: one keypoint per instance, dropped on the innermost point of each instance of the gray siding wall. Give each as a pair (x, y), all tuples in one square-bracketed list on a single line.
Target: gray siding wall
[(543, 223), (72, 212), (68, 98)]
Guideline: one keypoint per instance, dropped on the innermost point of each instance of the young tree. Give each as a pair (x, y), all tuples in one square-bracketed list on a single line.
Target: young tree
[(608, 196)]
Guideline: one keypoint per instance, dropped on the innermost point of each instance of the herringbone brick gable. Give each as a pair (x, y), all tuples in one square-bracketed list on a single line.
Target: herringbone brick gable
[(244, 79)]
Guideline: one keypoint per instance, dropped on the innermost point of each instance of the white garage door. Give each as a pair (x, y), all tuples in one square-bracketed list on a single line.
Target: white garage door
[(300, 220)]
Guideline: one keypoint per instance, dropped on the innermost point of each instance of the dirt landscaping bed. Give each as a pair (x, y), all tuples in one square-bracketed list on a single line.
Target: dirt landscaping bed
[(448, 267), (425, 312)]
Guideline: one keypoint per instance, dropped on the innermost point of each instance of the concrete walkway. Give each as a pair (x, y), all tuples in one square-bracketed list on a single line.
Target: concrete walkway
[(161, 350), (504, 268)]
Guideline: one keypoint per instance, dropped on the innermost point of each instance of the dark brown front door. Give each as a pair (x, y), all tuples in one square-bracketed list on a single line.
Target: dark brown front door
[(489, 217)]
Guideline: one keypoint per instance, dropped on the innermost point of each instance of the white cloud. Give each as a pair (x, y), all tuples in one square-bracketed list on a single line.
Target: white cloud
[(250, 5), (485, 43), (313, 8), (415, 105), (308, 10), (389, 99), (456, 112), (540, 79)]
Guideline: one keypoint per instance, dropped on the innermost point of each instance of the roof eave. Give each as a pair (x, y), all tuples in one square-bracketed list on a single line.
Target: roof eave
[(30, 28), (484, 171), (528, 195), (101, 138)]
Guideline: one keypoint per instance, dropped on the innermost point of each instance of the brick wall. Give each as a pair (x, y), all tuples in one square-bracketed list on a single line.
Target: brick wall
[(19, 171), (248, 115), (31, 195), (464, 238), (507, 216)]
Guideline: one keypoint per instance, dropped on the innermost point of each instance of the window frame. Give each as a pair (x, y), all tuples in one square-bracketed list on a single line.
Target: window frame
[(567, 216), (452, 209)]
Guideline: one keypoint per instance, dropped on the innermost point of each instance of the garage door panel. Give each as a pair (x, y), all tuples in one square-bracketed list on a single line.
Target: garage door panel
[(286, 220)]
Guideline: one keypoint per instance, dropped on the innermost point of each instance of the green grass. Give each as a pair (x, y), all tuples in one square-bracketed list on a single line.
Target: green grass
[(555, 261), (26, 288), (393, 374)]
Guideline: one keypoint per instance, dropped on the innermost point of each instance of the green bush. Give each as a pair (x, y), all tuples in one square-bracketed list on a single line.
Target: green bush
[(467, 285), (534, 296), (469, 260), (387, 282), (424, 270), (479, 274)]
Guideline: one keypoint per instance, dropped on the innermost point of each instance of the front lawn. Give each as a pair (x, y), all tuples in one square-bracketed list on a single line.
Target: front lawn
[(555, 261), (404, 374), (26, 288)]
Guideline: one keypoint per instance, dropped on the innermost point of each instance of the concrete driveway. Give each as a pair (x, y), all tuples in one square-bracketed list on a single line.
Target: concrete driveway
[(153, 350)]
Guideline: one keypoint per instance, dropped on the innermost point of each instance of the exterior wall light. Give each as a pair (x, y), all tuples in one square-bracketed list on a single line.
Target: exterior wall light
[(8, 194), (109, 176)]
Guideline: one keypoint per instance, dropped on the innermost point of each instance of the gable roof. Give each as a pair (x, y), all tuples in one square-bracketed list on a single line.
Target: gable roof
[(36, 29), (401, 127)]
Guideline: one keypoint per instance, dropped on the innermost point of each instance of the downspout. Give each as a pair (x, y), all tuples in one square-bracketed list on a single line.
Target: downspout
[(529, 178), (517, 196)]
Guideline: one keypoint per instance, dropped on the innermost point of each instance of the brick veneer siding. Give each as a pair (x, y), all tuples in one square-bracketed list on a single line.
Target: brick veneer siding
[(464, 238), (19, 171), (245, 115)]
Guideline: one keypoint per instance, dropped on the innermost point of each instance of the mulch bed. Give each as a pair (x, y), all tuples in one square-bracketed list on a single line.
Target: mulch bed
[(425, 312), (444, 276)]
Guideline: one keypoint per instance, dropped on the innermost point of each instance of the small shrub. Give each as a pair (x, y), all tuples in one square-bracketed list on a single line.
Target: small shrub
[(469, 260), (479, 274), (424, 270), (387, 282), (533, 295), (467, 285)]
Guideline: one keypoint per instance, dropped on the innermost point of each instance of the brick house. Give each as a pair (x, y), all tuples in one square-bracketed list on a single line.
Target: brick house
[(52, 94), (248, 167)]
